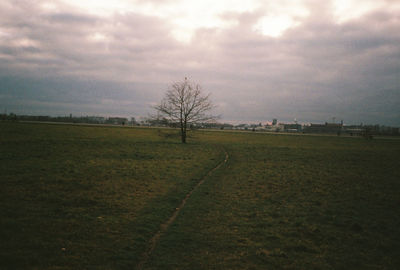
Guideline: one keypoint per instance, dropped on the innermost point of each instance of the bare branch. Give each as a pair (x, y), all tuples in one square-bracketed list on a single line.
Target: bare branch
[(184, 103)]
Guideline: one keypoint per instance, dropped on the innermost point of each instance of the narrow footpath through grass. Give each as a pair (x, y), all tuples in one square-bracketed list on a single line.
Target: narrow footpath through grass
[(164, 227)]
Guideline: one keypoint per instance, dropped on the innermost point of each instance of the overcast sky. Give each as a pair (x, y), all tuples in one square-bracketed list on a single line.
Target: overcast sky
[(308, 60)]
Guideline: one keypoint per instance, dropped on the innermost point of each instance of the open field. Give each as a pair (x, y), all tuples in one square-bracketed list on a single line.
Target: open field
[(87, 197)]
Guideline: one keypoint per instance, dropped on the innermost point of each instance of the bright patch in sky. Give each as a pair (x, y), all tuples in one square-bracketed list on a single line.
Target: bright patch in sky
[(101, 7), (345, 10), (185, 17), (25, 42), (274, 26), (310, 59), (98, 37), (49, 6), (3, 33)]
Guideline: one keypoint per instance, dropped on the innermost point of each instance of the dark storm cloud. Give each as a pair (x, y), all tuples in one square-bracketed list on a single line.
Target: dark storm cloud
[(315, 71)]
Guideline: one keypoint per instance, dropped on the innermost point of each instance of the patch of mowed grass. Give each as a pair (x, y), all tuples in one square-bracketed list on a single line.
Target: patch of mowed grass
[(291, 202), (87, 197)]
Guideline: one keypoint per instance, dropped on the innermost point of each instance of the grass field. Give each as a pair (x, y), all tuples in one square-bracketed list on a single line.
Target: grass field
[(88, 197)]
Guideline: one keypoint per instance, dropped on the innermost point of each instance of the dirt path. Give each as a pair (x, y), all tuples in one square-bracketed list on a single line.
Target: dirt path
[(164, 227)]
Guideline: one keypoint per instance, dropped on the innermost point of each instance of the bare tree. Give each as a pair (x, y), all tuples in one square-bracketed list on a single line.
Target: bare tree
[(185, 104)]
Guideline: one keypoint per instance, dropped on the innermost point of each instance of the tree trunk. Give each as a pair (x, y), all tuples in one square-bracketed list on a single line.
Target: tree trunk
[(183, 132), (183, 136)]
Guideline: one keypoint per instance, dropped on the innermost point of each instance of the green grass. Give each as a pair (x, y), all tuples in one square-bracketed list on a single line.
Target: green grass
[(292, 202), (74, 197), (86, 197)]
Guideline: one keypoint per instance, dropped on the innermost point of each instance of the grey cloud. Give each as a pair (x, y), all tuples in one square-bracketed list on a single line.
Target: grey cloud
[(130, 41), (80, 96), (71, 18), (315, 71), (320, 63)]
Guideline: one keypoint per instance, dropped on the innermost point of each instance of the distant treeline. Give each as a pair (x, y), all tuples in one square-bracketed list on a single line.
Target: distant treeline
[(326, 128), (70, 119)]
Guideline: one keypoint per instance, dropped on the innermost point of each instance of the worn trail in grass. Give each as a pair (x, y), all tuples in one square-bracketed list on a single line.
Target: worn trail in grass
[(291, 202), (79, 197), (164, 227)]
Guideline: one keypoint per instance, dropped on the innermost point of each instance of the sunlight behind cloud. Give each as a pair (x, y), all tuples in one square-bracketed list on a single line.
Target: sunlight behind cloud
[(49, 6), (67, 51), (280, 16), (345, 10), (98, 37), (3, 33), (274, 26), (25, 42), (184, 17), (101, 7)]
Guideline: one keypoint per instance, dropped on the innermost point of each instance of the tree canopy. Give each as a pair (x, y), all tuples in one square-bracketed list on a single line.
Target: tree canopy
[(185, 103)]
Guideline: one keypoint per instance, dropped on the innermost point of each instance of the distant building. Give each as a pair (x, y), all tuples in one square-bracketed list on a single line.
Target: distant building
[(96, 119), (117, 120), (355, 131), (331, 128), (275, 128), (292, 127), (133, 121)]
